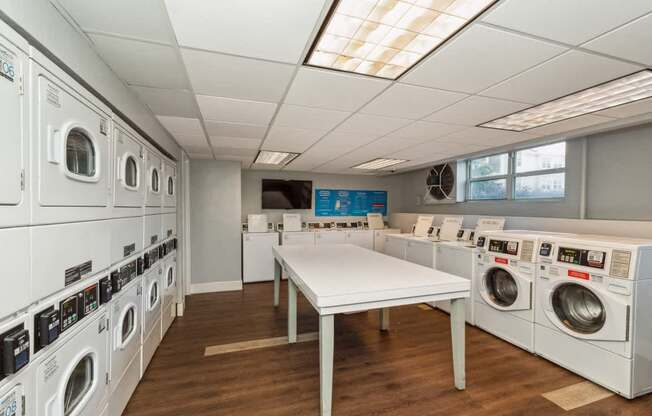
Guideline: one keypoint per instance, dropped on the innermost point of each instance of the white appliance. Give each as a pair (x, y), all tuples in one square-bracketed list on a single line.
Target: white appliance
[(330, 237), (169, 224), (458, 258), (128, 170), (420, 250), (360, 238), (16, 332), (298, 238), (170, 186), (125, 344), (504, 285), (169, 283), (69, 147), (153, 230), (379, 238), (151, 315), (126, 238), (424, 222), (593, 309), (396, 245), (154, 178), (14, 172), (257, 223), (375, 221), (257, 256), (15, 294), (449, 228), (291, 222), (17, 394)]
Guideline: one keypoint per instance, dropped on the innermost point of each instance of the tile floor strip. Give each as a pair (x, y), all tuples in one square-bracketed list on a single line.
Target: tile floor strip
[(257, 344), (577, 395)]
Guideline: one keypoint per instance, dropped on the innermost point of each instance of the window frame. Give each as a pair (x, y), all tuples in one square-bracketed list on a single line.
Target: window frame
[(512, 175)]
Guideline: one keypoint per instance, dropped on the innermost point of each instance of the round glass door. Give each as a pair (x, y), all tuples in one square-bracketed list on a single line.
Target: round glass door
[(155, 180), (153, 295), (80, 153), (170, 186), (578, 308), (170, 277), (131, 172), (128, 324), (501, 287), (79, 384)]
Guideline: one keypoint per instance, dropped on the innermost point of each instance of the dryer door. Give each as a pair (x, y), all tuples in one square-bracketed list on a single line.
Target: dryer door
[(586, 312), (129, 187), (170, 185), (155, 181), (505, 290)]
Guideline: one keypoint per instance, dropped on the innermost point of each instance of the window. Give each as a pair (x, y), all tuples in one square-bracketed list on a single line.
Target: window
[(131, 172), (170, 186), (155, 180), (534, 173), (128, 324), (79, 385), (80, 153)]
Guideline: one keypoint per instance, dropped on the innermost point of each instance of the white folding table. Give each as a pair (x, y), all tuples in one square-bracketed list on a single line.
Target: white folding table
[(346, 278)]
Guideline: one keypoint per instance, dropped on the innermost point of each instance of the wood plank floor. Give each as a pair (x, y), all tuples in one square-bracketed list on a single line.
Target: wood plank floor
[(407, 371)]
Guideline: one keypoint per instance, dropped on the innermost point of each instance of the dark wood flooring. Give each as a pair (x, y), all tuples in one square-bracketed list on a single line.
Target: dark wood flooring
[(406, 371)]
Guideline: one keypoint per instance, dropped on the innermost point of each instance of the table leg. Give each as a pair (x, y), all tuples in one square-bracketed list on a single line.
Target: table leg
[(277, 282), (384, 319), (326, 341), (458, 326), (292, 312)]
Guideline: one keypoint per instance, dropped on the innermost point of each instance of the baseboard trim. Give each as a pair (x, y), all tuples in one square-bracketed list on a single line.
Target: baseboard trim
[(231, 285)]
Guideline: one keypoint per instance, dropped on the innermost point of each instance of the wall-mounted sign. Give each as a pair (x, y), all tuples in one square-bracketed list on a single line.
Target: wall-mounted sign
[(349, 203)]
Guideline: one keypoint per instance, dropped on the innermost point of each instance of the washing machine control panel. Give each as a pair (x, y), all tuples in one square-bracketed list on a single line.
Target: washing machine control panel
[(90, 300), (14, 348), (545, 250), (582, 257), (481, 241), (106, 291), (503, 247), (69, 310), (46, 328)]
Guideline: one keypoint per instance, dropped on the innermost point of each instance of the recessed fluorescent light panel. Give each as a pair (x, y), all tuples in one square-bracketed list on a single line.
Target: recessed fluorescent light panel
[(266, 157), (620, 91), (379, 164), (385, 38)]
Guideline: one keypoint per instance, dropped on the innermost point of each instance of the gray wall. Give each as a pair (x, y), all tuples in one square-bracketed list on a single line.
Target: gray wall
[(215, 221), (252, 180)]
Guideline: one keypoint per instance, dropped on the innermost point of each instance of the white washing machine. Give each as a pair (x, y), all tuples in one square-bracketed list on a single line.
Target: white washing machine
[(71, 377), (420, 250), (70, 148), (14, 90), (151, 314), (15, 280), (379, 238), (504, 285), (170, 186), (360, 238), (297, 238), (16, 337), (153, 230), (126, 238), (458, 258), (169, 284), (594, 302), (128, 171), (396, 245), (17, 394), (125, 344), (330, 237), (169, 224), (155, 182), (64, 254), (257, 256)]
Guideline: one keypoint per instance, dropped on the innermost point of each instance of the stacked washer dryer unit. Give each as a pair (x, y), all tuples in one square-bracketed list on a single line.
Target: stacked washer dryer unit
[(594, 302), (168, 281)]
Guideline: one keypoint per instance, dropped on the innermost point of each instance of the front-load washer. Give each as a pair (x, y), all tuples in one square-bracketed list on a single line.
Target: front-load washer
[(15, 280), (169, 186), (70, 148), (71, 377), (594, 302), (153, 230), (64, 254), (169, 284), (16, 337), (125, 344), (504, 285), (151, 314), (129, 185), (17, 394), (126, 238), (155, 185), (14, 172)]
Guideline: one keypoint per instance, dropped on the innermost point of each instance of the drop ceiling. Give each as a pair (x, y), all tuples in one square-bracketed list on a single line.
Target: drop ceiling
[(226, 78)]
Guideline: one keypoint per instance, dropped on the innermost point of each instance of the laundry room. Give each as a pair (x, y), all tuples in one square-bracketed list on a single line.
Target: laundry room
[(326, 207)]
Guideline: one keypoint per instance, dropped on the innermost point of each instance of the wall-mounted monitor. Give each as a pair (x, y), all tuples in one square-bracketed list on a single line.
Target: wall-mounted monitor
[(286, 194)]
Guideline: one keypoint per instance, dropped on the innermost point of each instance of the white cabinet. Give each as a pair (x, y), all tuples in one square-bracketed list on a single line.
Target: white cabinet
[(420, 251), (330, 237), (379, 238), (298, 238), (395, 246), (257, 257), (362, 238), (457, 258)]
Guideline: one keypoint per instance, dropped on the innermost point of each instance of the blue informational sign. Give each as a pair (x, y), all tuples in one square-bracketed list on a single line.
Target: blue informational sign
[(349, 203)]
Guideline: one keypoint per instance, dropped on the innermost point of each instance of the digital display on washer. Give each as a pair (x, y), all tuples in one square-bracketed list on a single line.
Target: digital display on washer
[(90, 300), (545, 250), (69, 311), (504, 247), (582, 257)]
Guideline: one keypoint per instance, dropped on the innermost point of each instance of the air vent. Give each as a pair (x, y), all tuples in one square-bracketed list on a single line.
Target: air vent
[(440, 184)]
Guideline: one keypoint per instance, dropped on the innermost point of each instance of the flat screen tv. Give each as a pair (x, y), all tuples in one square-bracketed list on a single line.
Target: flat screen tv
[(287, 194)]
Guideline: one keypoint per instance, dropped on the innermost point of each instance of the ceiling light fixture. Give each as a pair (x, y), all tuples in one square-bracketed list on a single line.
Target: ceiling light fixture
[(625, 90), (385, 38), (267, 157), (379, 163)]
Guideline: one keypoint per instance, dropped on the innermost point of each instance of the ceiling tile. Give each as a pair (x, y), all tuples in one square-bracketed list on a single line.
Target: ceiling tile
[(387, 146), (569, 125), (244, 78), (346, 140), (200, 156), (168, 102), (478, 58), (407, 101), (276, 30), (235, 111), (628, 110), (476, 110), (197, 148), (631, 41), (142, 19), (235, 142), (249, 131), (485, 137), (308, 117), (560, 76), (234, 151), (189, 140), (422, 130), (573, 22), (290, 139), (140, 63), (372, 125), (245, 160), (333, 90), (182, 125)]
